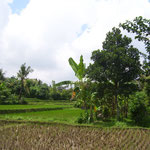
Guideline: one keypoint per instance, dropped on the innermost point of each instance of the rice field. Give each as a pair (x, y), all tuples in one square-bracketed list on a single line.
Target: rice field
[(35, 107), (65, 137), (68, 115), (40, 127)]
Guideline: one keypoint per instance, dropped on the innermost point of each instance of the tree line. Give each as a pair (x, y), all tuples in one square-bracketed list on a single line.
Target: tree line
[(13, 90)]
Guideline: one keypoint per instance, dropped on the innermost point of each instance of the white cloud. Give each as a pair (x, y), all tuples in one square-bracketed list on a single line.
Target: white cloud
[(4, 18), (45, 33)]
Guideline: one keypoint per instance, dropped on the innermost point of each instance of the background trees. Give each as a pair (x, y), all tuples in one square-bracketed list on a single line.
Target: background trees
[(2, 75), (4, 91)]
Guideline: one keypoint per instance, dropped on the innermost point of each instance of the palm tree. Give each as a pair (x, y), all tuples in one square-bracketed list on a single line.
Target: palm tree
[(22, 75)]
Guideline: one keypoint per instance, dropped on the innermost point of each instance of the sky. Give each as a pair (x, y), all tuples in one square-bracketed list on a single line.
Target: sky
[(18, 5), (45, 33)]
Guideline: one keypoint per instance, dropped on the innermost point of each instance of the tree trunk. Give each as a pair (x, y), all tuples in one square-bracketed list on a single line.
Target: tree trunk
[(126, 109), (113, 106), (20, 94), (116, 100), (91, 113)]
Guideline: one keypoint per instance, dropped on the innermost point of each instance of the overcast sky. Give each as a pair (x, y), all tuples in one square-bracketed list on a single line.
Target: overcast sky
[(45, 33)]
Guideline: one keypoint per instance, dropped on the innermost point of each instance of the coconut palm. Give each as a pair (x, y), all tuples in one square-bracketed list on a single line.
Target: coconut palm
[(22, 75)]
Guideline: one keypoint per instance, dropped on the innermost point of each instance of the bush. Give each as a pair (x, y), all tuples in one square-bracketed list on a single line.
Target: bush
[(147, 88), (56, 96), (106, 112), (84, 118), (137, 108), (102, 113), (79, 104), (4, 93), (23, 102)]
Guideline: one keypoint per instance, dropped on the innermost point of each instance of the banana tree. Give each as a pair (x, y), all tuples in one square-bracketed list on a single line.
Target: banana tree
[(81, 86), (79, 70), (85, 85)]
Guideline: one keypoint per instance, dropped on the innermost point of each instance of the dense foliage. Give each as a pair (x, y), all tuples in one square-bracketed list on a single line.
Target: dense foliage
[(137, 108), (13, 90), (141, 27), (116, 65)]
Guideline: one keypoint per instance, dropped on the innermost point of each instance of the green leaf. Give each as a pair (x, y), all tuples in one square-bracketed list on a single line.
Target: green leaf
[(73, 64), (81, 69)]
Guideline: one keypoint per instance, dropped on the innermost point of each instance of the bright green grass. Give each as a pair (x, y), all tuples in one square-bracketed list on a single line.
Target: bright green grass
[(14, 107), (68, 115)]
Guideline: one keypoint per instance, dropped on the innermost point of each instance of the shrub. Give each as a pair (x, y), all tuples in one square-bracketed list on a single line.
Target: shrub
[(79, 104), (102, 113), (106, 112), (85, 118), (137, 108), (4, 93), (147, 89)]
